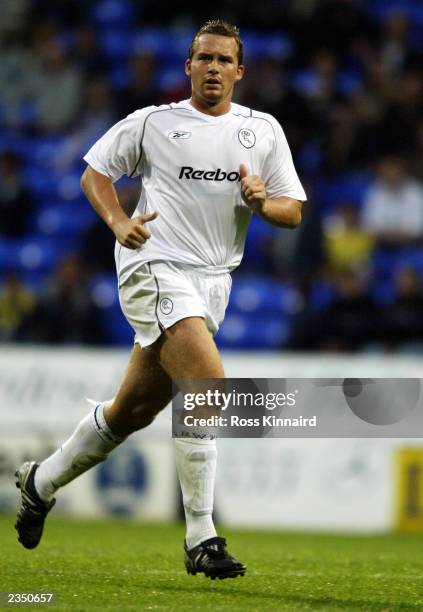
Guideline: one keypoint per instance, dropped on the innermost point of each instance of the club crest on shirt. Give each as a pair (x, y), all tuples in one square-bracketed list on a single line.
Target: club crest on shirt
[(166, 305), (247, 138), (177, 135)]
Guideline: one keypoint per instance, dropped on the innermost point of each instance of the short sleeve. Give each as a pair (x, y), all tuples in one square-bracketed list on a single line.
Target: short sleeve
[(118, 152), (279, 174)]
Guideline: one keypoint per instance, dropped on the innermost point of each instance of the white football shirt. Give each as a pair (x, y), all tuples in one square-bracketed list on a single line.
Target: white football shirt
[(189, 165)]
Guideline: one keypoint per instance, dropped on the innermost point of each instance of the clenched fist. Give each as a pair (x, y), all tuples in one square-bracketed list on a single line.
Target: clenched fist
[(132, 233), (253, 190)]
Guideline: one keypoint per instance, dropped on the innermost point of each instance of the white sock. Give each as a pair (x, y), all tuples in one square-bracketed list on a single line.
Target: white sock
[(196, 466), (89, 444)]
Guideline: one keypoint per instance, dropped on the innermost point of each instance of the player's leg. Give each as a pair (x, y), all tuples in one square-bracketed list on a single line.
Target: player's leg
[(145, 390), (187, 351)]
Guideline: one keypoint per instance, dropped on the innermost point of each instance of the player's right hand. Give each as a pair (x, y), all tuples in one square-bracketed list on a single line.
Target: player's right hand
[(132, 233)]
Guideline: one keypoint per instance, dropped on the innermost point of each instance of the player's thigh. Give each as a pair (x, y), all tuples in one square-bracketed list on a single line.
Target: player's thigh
[(187, 350)]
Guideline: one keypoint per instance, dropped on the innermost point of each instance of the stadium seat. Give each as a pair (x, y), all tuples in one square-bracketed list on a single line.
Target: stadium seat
[(12, 141), (383, 292), (119, 75), (39, 255), (257, 254), (150, 40), (41, 183), (63, 219), (253, 331), (8, 251), (351, 187), (255, 294), (322, 295), (42, 151), (113, 13), (116, 44), (386, 263), (381, 9), (171, 78), (104, 293), (278, 46)]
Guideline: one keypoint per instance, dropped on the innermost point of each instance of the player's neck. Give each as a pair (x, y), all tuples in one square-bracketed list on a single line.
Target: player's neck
[(221, 108)]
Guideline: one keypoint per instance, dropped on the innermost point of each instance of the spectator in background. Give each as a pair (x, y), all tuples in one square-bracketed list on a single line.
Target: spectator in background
[(393, 206), (394, 48), (67, 314), (403, 321), (415, 155), (347, 245), (335, 25), (17, 304), (97, 115), (17, 76), (86, 53), (12, 16), (396, 129), (351, 322), (142, 89), (266, 85), (348, 323), (15, 200), (324, 71), (57, 90)]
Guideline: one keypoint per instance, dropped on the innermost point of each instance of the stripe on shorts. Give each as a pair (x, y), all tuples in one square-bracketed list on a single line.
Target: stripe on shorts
[(160, 324)]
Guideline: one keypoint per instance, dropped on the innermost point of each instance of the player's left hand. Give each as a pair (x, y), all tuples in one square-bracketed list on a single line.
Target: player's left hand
[(253, 190)]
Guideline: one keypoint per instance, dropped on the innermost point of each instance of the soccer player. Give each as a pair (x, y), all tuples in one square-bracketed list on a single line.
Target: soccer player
[(206, 164)]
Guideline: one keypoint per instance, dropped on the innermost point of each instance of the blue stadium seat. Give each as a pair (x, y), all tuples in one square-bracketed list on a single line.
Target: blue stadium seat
[(381, 9), (42, 151), (329, 193), (414, 259), (304, 81), (151, 40), (8, 252), (253, 332), (116, 329), (12, 141), (119, 75), (171, 78), (386, 263), (69, 187), (39, 255), (257, 255), (64, 219), (278, 46), (116, 44), (113, 13), (383, 292), (255, 294), (322, 295), (180, 45), (349, 83)]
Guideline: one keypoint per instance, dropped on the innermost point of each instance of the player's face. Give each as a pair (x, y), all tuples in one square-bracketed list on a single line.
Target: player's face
[(214, 69)]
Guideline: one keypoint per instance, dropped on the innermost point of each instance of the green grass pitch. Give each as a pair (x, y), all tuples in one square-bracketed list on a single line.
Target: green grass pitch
[(123, 565)]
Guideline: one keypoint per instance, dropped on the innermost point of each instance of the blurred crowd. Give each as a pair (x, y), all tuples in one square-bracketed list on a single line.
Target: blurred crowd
[(344, 78)]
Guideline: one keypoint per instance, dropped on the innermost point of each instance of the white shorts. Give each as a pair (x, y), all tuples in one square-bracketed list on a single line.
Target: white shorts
[(158, 294)]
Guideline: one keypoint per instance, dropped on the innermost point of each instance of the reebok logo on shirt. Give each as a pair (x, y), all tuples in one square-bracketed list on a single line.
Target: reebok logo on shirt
[(208, 175)]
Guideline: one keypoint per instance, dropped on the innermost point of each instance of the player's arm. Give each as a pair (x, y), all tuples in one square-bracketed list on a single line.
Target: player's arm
[(282, 211), (100, 192)]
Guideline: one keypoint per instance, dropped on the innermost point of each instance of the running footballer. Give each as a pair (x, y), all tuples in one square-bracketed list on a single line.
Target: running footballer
[(206, 165)]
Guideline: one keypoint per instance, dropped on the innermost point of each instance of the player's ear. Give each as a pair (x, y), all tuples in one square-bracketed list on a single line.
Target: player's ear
[(188, 67), (239, 72)]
